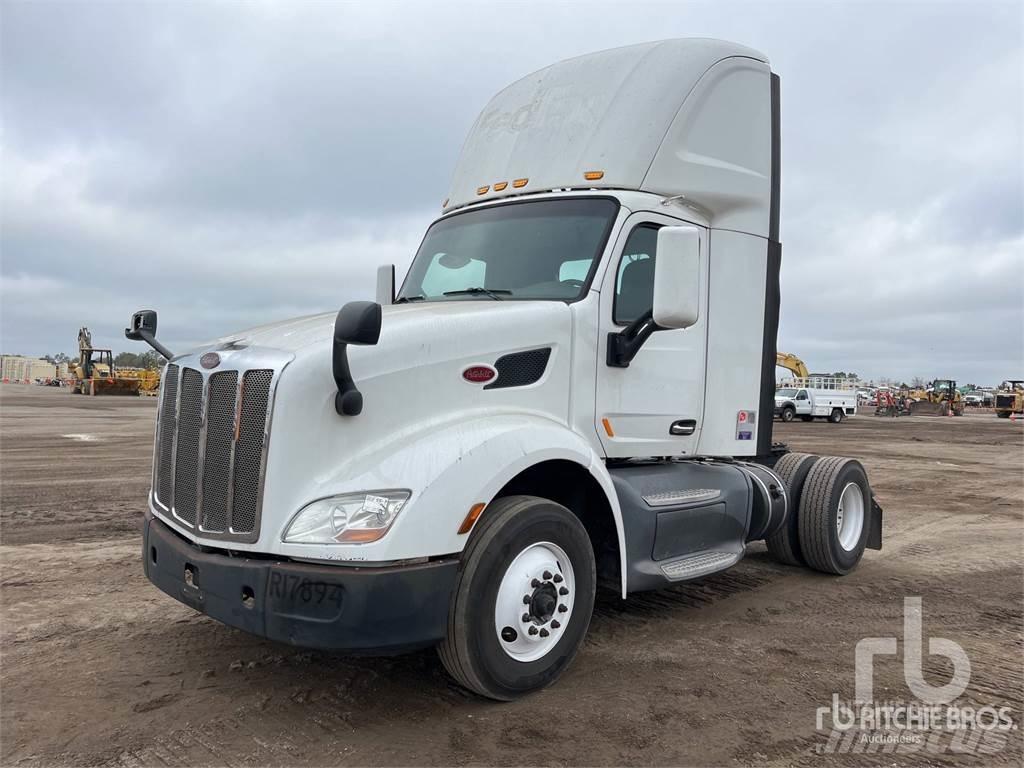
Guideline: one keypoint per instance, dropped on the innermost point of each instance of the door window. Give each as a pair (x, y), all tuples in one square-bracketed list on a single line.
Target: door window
[(634, 281), (802, 395)]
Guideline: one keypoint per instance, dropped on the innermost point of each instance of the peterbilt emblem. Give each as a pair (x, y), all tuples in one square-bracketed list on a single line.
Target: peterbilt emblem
[(479, 374), (210, 360)]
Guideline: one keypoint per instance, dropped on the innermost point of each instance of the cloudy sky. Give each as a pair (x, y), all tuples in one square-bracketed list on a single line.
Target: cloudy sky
[(231, 164)]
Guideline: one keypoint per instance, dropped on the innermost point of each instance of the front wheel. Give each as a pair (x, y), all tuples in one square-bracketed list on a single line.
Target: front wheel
[(522, 600), (788, 414)]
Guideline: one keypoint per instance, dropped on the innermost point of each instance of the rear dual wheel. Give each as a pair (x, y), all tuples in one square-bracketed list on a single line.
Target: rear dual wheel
[(828, 522), (522, 600)]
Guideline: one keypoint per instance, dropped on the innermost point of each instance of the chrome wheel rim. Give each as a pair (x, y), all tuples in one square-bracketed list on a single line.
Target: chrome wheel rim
[(535, 601), (850, 516)]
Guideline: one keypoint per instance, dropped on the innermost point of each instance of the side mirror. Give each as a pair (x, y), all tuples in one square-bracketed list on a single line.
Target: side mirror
[(676, 301), (677, 277), (143, 328), (358, 322), (386, 284)]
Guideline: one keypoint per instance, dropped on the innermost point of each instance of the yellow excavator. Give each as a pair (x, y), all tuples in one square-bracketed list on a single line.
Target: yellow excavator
[(94, 373), (941, 399), (792, 363)]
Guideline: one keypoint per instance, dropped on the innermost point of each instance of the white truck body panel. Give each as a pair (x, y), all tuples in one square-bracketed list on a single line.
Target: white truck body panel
[(677, 117)]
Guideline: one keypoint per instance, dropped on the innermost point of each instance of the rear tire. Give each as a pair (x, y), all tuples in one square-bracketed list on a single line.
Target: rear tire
[(784, 544), (836, 416), (834, 515), (508, 661)]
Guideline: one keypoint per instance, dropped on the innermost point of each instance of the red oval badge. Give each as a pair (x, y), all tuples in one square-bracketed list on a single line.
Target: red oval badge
[(479, 374)]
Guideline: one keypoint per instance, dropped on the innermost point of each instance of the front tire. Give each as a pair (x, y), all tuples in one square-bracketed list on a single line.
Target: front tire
[(523, 599), (834, 515), (788, 414)]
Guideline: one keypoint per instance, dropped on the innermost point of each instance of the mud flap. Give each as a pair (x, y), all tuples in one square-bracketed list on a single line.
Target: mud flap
[(875, 526)]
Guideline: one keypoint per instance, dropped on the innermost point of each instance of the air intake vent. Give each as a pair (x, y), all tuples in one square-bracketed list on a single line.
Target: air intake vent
[(520, 368)]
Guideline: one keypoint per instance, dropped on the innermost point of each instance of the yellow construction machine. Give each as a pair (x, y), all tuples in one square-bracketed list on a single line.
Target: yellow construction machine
[(1010, 398), (941, 399), (792, 363), (94, 373)]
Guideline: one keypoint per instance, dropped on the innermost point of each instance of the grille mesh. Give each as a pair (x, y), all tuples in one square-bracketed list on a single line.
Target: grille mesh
[(165, 448), (186, 462), (220, 433), (249, 449), (520, 368)]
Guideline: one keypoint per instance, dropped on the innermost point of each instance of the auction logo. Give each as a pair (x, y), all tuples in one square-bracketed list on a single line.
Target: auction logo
[(933, 721)]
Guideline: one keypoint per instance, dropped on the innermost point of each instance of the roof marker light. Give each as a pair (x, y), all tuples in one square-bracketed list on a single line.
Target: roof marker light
[(445, 203), (500, 186), (519, 183), (483, 190), (593, 175)]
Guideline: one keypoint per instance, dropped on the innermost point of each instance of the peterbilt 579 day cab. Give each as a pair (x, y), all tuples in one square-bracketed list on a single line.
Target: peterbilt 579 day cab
[(574, 385)]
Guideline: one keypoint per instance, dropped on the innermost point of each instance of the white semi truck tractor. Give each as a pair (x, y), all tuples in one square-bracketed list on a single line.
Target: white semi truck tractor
[(573, 385)]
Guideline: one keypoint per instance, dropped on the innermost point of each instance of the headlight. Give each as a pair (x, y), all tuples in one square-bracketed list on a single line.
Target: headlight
[(353, 518)]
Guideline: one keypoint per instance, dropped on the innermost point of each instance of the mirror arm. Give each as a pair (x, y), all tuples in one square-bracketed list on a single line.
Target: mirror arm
[(348, 400), (140, 334), (624, 345)]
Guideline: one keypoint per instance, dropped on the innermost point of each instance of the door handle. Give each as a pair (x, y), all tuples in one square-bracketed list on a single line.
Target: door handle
[(683, 427)]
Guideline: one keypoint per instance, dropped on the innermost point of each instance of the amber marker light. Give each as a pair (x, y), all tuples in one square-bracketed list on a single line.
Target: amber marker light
[(520, 183), (593, 175), (471, 518), (483, 190), (500, 186), (608, 427)]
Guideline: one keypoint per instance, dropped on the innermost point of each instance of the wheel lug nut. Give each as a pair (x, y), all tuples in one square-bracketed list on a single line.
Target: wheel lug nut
[(526, 617), (526, 599), (532, 630), (547, 575), (563, 590), (555, 624), (562, 609), (535, 583), (558, 578), (544, 633)]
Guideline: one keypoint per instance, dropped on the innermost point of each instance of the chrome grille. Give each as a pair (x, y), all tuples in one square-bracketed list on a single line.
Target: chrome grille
[(249, 449), (220, 437), (163, 482), (211, 449), (186, 454)]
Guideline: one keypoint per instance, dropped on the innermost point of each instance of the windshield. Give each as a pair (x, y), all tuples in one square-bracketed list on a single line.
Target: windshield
[(786, 393), (543, 249)]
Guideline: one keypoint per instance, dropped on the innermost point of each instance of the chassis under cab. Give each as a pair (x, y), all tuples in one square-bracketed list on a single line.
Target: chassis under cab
[(573, 387)]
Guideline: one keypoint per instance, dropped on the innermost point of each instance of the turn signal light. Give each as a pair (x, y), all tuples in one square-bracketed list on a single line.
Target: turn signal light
[(474, 513), (519, 183), (500, 186), (593, 175)]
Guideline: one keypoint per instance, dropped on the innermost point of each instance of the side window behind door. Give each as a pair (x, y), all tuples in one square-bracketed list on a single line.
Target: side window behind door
[(634, 281)]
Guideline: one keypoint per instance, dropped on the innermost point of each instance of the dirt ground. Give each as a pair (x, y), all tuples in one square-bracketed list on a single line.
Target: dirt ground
[(99, 668)]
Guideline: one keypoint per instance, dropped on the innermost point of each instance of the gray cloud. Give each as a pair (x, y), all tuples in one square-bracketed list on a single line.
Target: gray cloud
[(232, 164)]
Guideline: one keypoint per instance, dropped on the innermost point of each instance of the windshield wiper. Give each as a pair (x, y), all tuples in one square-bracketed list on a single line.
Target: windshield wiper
[(404, 299), (492, 292)]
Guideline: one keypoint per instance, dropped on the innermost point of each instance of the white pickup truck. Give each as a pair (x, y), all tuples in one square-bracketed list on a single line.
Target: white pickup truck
[(574, 385), (809, 403)]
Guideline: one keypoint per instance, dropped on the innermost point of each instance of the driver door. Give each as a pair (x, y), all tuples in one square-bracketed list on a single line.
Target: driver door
[(655, 406)]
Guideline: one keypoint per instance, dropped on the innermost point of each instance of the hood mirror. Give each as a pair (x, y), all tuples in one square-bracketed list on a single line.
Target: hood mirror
[(358, 322), (143, 328)]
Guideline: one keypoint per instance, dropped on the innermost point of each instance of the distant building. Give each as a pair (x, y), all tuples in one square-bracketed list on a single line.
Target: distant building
[(23, 370)]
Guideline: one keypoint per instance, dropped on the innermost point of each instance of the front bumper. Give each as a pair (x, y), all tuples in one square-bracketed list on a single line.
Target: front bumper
[(380, 609)]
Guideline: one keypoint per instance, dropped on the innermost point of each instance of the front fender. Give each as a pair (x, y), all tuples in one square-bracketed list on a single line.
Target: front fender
[(449, 468)]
